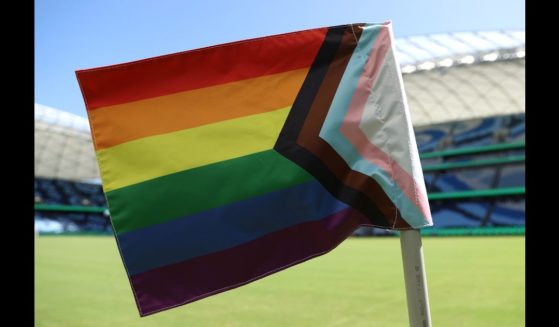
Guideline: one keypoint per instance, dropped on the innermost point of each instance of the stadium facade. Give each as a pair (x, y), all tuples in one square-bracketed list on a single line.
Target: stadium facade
[(466, 94)]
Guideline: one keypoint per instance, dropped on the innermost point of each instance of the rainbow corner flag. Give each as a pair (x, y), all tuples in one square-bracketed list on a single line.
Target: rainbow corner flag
[(225, 164)]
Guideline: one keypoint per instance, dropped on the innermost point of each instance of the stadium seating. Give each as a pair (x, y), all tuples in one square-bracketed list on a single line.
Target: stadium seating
[(508, 212), (81, 196), (69, 193), (470, 133), (476, 132), (477, 211), (459, 213), (464, 180), (512, 176)]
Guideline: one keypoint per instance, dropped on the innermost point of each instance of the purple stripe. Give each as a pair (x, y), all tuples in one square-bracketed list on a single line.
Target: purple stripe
[(192, 280)]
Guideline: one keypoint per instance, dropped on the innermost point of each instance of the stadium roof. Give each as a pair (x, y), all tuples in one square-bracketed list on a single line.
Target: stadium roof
[(457, 76), (63, 147), (447, 77)]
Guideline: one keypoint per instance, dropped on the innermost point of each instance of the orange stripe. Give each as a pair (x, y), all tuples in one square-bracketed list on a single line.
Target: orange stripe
[(126, 122)]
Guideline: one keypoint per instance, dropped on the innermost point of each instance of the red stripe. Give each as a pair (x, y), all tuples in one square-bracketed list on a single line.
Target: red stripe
[(192, 280), (117, 84)]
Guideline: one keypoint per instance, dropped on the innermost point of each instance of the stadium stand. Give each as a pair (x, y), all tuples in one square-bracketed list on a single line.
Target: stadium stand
[(68, 206)]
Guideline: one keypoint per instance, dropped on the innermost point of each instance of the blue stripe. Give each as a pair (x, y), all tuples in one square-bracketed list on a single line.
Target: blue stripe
[(330, 131), (225, 227)]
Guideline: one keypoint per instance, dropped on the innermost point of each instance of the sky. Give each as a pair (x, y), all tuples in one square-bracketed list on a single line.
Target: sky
[(79, 34)]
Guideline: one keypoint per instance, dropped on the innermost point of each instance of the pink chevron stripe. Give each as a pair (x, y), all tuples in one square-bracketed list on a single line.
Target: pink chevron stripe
[(369, 151)]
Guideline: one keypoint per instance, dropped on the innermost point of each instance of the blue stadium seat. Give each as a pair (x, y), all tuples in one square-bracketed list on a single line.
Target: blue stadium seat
[(510, 212), (429, 178), (465, 180), (512, 176), (516, 125), (476, 132), (431, 138), (459, 213)]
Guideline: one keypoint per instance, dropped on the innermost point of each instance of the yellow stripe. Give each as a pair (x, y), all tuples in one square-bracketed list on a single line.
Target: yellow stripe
[(151, 157)]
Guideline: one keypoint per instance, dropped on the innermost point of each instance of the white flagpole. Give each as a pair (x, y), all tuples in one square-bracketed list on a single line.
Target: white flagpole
[(414, 275)]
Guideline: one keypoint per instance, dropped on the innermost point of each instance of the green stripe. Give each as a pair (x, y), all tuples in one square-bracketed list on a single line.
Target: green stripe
[(200, 189), (61, 207), (473, 150), (478, 193), (474, 163)]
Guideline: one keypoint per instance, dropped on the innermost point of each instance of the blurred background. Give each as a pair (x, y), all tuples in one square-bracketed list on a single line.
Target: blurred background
[(464, 76)]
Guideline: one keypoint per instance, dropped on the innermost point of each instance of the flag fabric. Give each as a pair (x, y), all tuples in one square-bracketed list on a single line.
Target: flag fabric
[(225, 164)]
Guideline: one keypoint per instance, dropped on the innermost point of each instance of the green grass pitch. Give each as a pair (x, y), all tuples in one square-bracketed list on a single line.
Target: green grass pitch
[(80, 281)]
